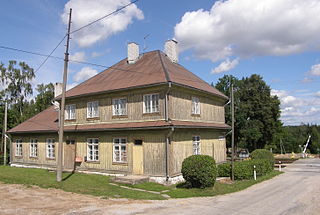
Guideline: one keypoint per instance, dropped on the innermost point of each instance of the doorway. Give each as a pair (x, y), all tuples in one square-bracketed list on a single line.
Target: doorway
[(69, 154), (137, 157)]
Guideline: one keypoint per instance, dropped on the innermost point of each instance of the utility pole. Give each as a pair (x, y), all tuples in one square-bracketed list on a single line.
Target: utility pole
[(5, 133), (232, 137), (62, 106)]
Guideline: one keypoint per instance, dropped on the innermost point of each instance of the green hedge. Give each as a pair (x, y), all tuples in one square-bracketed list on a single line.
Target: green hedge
[(199, 171), (263, 154), (224, 170), (244, 169)]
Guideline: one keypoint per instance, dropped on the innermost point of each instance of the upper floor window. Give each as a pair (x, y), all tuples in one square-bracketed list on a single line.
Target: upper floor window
[(151, 103), (195, 105), (70, 111), (196, 145), (50, 151), (93, 149), (119, 107), (18, 148), (119, 150), (92, 109), (33, 148)]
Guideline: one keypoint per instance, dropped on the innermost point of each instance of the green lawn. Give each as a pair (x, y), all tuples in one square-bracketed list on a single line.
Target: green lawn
[(98, 185)]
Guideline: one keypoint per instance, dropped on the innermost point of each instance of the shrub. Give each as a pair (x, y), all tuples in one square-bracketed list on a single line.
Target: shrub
[(262, 166), (199, 171), (244, 169), (263, 154), (224, 170)]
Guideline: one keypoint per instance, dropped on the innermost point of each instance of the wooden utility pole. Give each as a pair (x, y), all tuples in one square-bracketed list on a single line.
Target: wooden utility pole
[(5, 134), (62, 105), (232, 137)]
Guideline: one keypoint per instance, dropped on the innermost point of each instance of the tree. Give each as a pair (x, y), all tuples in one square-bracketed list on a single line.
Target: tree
[(44, 98)]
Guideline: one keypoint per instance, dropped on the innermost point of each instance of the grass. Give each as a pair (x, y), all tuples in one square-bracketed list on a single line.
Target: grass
[(98, 185)]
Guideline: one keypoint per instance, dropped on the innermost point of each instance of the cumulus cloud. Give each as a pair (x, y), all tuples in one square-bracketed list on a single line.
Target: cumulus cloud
[(85, 11), (84, 74), (78, 56), (225, 66), (245, 28), (315, 70)]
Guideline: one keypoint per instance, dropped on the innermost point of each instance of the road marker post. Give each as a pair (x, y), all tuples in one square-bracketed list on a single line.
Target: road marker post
[(279, 166), (254, 172)]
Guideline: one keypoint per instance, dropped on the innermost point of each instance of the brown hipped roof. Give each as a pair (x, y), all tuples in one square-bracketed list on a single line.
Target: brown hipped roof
[(47, 121), (151, 69)]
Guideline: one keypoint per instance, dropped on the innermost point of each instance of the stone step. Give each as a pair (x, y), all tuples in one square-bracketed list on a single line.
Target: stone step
[(131, 179)]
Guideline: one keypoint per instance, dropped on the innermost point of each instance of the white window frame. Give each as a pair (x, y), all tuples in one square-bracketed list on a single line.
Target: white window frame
[(196, 144), (93, 109), (70, 112), (33, 148), (123, 156), (50, 148), (119, 106), (195, 108), (93, 146), (151, 103), (18, 151)]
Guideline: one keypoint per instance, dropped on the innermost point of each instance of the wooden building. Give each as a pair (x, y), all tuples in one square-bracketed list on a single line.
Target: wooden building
[(144, 116)]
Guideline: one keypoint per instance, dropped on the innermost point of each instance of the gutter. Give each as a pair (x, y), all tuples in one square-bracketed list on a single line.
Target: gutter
[(166, 102), (168, 142)]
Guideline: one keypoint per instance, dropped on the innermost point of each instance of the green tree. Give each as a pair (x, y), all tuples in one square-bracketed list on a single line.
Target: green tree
[(45, 96)]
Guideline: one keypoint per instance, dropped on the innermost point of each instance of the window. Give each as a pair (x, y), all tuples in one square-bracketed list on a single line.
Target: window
[(119, 150), (119, 107), (92, 109), (93, 149), (18, 148), (50, 148), (70, 111), (33, 148), (195, 105), (196, 145), (151, 103)]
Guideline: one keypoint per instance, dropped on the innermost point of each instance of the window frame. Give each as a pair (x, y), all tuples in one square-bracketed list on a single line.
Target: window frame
[(154, 104), (120, 144), (94, 151), (33, 149), (195, 105), (68, 114), (196, 145), (117, 106), (50, 150), (90, 109), (18, 149)]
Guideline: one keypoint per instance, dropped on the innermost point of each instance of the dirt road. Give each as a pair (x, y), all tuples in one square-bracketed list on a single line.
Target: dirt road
[(295, 192)]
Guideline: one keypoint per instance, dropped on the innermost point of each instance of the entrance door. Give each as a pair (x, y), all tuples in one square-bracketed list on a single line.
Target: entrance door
[(69, 154), (137, 157)]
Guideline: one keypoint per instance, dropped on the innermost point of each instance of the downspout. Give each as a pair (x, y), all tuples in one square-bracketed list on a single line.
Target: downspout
[(168, 140), (166, 102)]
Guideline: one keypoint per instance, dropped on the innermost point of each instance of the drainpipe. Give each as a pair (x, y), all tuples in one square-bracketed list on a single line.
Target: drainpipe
[(166, 102), (167, 152)]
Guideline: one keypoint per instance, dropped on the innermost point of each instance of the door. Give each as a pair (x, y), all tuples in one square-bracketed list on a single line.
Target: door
[(69, 154), (137, 157)]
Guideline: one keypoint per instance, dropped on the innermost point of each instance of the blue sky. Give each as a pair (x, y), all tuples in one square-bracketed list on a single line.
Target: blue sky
[(278, 39)]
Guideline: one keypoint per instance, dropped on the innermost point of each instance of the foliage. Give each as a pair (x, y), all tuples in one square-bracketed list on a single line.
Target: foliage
[(224, 170), (244, 169), (199, 171), (44, 98), (263, 154)]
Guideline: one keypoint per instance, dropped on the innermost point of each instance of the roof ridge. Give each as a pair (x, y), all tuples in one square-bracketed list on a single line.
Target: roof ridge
[(166, 73)]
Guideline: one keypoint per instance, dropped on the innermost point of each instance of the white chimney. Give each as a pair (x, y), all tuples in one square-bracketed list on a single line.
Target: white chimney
[(171, 50), (133, 52), (57, 89)]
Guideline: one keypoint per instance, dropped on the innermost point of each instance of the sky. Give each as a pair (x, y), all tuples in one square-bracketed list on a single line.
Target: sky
[(277, 39)]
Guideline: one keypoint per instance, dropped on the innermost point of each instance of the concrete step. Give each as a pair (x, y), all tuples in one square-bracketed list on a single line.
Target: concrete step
[(131, 179)]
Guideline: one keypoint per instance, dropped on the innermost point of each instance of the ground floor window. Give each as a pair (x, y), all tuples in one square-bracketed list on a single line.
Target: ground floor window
[(33, 148), (119, 150), (50, 148), (93, 149), (18, 151), (196, 145)]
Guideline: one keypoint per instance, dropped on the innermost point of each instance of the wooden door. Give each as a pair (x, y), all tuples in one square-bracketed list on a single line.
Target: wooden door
[(69, 155), (137, 157)]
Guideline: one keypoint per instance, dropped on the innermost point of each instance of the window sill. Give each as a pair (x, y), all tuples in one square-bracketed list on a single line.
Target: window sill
[(70, 120), (50, 158), (195, 115), (120, 163), (93, 162), (33, 157), (93, 118), (18, 156), (151, 114), (119, 116)]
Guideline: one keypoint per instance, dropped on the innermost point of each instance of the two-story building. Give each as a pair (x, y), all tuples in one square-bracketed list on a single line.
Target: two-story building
[(144, 115)]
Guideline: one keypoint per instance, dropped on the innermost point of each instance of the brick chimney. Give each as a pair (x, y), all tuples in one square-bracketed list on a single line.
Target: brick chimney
[(171, 50), (133, 52)]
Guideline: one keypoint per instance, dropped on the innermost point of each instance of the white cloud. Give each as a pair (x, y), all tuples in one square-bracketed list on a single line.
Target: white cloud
[(84, 74), (317, 94), (85, 11), (307, 80), (225, 66), (78, 56), (70, 86), (315, 70), (245, 28)]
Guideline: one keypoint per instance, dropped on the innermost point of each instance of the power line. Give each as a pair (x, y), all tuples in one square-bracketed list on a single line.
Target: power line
[(97, 20)]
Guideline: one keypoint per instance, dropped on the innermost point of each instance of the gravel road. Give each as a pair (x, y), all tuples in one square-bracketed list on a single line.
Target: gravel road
[(295, 192)]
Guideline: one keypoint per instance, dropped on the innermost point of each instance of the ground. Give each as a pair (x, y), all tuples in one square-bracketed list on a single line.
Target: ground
[(295, 192)]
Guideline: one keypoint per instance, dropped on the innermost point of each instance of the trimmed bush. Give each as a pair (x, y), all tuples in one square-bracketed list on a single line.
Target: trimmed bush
[(262, 166), (224, 170), (244, 169), (263, 154), (199, 171)]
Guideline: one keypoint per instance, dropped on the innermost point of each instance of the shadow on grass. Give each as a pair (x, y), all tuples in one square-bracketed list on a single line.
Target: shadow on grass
[(68, 176)]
